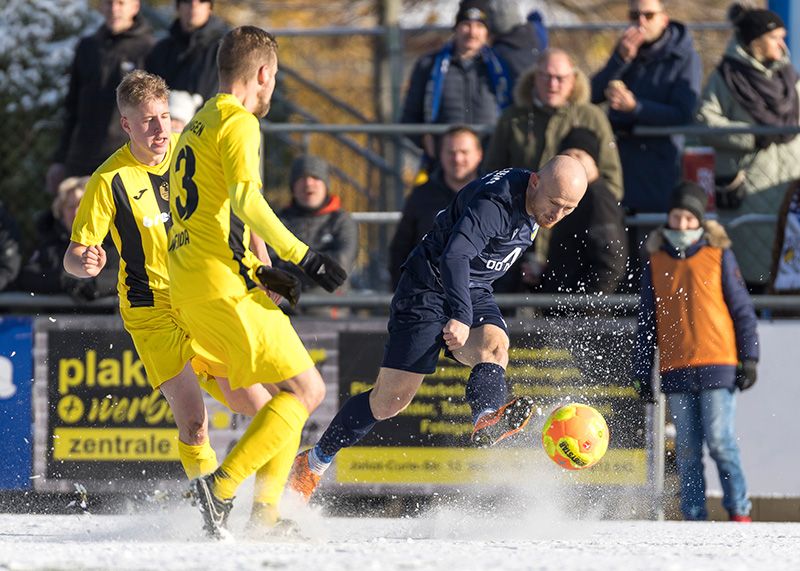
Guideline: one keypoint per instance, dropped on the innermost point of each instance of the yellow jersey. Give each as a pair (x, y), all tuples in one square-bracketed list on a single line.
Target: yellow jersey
[(131, 200), (216, 197)]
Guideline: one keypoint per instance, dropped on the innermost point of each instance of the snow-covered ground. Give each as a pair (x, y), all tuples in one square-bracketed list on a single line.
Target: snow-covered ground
[(170, 539)]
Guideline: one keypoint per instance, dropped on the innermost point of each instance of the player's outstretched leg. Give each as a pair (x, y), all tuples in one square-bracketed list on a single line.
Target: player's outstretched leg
[(215, 511), (506, 421), (351, 424)]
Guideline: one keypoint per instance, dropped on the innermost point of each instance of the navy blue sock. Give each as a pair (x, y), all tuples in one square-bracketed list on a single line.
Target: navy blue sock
[(486, 389), (352, 423)]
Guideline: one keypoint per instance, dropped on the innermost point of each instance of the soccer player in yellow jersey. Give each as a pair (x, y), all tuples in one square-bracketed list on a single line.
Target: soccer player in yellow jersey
[(128, 195), (215, 183)]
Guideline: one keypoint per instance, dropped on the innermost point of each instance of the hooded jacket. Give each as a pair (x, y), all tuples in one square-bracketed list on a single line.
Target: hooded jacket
[(188, 62), (515, 143), (91, 130), (329, 230), (665, 78), (767, 171), (695, 307)]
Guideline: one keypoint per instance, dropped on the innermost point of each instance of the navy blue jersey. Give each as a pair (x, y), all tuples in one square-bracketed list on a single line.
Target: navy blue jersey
[(476, 239)]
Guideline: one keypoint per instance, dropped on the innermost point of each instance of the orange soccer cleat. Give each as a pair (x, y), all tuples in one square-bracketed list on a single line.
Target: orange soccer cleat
[(302, 480), (506, 421)]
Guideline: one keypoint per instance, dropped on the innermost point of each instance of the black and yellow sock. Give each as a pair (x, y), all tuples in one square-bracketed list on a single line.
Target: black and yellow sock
[(277, 424), (197, 460)]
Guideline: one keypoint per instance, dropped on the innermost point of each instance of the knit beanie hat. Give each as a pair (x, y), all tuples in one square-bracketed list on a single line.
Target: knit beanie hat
[(583, 139), (690, 196), (475, 11), (752, 24), (308, 165), (183, 105)]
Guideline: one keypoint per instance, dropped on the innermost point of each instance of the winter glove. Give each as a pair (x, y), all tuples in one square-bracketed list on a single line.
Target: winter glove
[(645, 390), (323, 270), (746, 374), (281, 282)]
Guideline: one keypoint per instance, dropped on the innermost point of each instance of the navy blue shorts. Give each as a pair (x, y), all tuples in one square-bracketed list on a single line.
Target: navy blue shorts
[(418, 315)]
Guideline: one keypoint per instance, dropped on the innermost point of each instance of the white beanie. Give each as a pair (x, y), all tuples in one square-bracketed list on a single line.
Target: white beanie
[(182, 105)]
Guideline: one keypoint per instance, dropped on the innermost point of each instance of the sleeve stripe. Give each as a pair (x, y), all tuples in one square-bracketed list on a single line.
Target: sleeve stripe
[(236, 244)]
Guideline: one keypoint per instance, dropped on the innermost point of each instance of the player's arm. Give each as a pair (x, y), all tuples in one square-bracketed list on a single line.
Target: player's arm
[(481, 221), (85, 256), (84, 261), (239, 144)]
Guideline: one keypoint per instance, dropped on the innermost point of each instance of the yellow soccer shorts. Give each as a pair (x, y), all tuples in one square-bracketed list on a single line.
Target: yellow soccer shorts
[(161, 342), (250, 335)]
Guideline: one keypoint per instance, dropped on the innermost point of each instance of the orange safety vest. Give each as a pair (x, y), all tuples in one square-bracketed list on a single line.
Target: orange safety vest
[(694, 325)]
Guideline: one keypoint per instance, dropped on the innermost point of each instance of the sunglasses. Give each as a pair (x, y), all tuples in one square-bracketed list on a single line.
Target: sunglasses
[(634, 15)]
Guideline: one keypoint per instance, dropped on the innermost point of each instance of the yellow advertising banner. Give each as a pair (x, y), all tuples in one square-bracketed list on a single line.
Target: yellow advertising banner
[(105, 444), (453, 466)]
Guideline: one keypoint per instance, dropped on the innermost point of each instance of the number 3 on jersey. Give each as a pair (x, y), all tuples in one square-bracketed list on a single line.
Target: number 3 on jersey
[(188, 186)]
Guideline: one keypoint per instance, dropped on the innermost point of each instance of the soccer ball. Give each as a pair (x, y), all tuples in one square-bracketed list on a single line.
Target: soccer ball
[(575, 436)]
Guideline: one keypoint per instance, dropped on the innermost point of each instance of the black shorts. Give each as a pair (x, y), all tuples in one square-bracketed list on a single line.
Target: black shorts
[(418, 315)]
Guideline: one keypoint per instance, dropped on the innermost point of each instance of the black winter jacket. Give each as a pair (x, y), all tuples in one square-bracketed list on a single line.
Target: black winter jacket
[(421, 207), (518, 48), (588, 248), (10, 257), (91, 127), (328, 230), (188, 62), (44, 271)]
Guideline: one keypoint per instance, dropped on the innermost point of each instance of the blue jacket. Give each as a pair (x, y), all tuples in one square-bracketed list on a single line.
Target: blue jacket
[(665, 78), (736, 297)]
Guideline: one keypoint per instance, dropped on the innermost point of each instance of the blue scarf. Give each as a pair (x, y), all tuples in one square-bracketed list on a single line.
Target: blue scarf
[(498, 77)]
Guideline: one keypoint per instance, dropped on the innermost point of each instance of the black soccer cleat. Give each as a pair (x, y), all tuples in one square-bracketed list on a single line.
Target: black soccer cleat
[(506, 421), (215, 511)]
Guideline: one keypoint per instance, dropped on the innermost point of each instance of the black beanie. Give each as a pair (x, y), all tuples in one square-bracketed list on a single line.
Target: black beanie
[(475, 11), (752, 24), (583, 139), (308, 165), (690, 196)]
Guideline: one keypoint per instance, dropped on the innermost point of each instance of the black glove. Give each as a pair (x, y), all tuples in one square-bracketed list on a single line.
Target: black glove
[(283, 283), (323, 270), (746, 374), (645, 390)]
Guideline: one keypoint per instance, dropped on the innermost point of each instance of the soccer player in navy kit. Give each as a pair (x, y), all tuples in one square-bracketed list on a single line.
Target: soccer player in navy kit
[(444, 300)]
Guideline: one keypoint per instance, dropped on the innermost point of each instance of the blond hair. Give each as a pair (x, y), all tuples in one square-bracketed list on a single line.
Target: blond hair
[(138, 87), (243, 51), (69, 186)]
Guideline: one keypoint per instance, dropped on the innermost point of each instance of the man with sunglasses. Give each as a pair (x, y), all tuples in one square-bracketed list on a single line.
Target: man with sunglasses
[(652, 79)]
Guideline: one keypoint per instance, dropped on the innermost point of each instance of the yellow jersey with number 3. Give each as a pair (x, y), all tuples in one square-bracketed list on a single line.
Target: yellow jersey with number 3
[(130, 200), (216, 196)]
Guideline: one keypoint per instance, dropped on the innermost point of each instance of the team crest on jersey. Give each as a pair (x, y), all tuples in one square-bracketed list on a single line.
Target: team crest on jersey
[(163, 190)]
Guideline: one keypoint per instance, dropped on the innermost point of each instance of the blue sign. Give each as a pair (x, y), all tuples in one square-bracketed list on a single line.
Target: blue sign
[(790, 13), (16, 384)]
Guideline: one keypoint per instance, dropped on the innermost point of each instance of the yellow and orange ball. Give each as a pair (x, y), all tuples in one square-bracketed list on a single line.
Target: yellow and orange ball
[(575, 436)]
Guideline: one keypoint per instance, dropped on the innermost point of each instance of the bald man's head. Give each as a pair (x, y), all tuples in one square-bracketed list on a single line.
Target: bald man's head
[(555, 190)]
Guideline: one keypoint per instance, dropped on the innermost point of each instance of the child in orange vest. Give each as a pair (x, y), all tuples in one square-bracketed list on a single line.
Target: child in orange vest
[(696, 310)]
